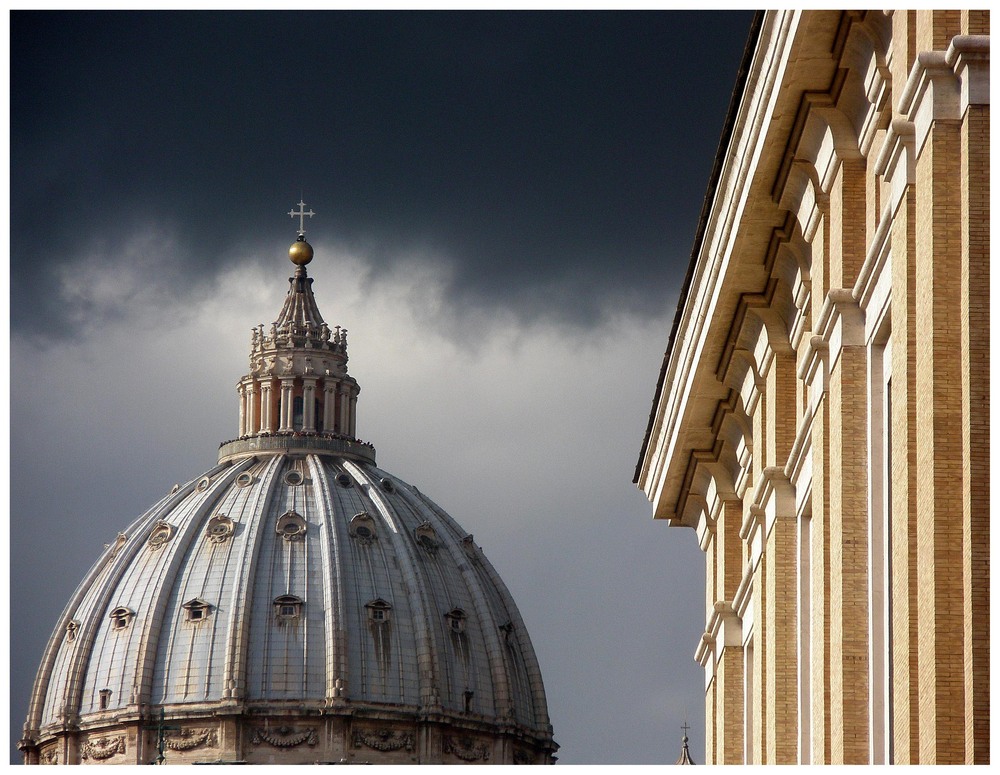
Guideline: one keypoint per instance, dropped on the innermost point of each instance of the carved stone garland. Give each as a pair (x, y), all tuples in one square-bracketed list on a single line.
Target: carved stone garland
[(187, 739), (103, 748), (466, 749), (383, 740), (284, 737)]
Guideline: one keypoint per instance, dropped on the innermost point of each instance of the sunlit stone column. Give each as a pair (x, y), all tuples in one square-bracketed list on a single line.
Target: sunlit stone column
[(352, 413), (285, 408), (344, 394), (266, 426), (329, 405), (309, 404), (242, 393)]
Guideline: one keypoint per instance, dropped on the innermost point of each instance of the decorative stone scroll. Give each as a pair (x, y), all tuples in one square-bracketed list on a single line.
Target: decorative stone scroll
[(103, 748), (383, 739), (284, 737), (466, 749), (187, 739)]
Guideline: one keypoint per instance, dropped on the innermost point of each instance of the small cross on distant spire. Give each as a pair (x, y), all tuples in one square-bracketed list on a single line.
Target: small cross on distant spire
[(685, 727), (302, 216)]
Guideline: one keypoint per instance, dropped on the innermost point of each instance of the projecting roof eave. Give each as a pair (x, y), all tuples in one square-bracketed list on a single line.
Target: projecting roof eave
[(713, 182), (738, 221)]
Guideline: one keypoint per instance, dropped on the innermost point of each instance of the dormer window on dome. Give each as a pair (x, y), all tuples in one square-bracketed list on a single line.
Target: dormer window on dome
[(121, 618), (456, 620), (378, 611), (288, 607), (72, 629), (196, 610)]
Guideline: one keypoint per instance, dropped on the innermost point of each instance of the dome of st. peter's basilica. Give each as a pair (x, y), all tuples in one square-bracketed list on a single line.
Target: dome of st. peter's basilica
[(293, 604)]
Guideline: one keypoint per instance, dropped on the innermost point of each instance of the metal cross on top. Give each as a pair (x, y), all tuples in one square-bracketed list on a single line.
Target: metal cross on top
[(302, 214), (685, 727)]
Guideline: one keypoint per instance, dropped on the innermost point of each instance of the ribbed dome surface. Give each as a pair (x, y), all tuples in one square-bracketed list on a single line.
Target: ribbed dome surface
[(294, 604), (364, 544)]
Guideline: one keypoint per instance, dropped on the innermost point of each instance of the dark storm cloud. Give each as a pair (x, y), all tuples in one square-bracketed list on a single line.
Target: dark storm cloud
[(557, 161)]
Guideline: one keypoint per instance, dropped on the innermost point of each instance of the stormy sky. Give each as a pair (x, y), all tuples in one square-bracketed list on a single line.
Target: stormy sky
[(505, 207)]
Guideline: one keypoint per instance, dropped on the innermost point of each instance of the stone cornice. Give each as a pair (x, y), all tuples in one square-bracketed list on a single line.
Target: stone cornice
[(969, 58), (896, 162), (932, 93), (840, 323)]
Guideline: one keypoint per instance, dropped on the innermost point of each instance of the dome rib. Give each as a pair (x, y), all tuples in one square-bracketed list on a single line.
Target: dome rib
[(333, 561), (95, 596), (178, 552), (234, 687), (428, 669)]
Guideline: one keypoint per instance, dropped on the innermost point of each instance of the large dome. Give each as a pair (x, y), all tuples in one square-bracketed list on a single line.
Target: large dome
[(295, 603)]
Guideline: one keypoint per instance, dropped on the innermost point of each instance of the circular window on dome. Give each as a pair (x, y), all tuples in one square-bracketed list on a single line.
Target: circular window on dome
[(290, 526), (203, 484), (363, 528), (244, 480), (174, 489), (388, 486), (427, 538), (294, 478), (162, 532), (344, 480), (219, 528)]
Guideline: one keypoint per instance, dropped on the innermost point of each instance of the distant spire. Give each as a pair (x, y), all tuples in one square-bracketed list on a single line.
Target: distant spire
[(685, 757)]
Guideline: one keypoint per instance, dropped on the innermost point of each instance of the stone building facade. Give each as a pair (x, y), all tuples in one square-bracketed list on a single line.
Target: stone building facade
[(822, 415)]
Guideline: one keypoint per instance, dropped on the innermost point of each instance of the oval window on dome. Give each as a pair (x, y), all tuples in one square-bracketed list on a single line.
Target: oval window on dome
[(388, 486), (427, 538), (344, 480), (291, 526), (162, 532), (294, 478), (244, 480), (203, 484), (219, 528), (363, 528)]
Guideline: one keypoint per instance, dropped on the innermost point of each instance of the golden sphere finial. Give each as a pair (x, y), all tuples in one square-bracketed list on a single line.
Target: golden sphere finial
[(301, 252)]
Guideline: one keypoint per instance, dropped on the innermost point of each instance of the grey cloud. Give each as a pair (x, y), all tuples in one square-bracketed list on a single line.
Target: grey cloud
[(534, 150)]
